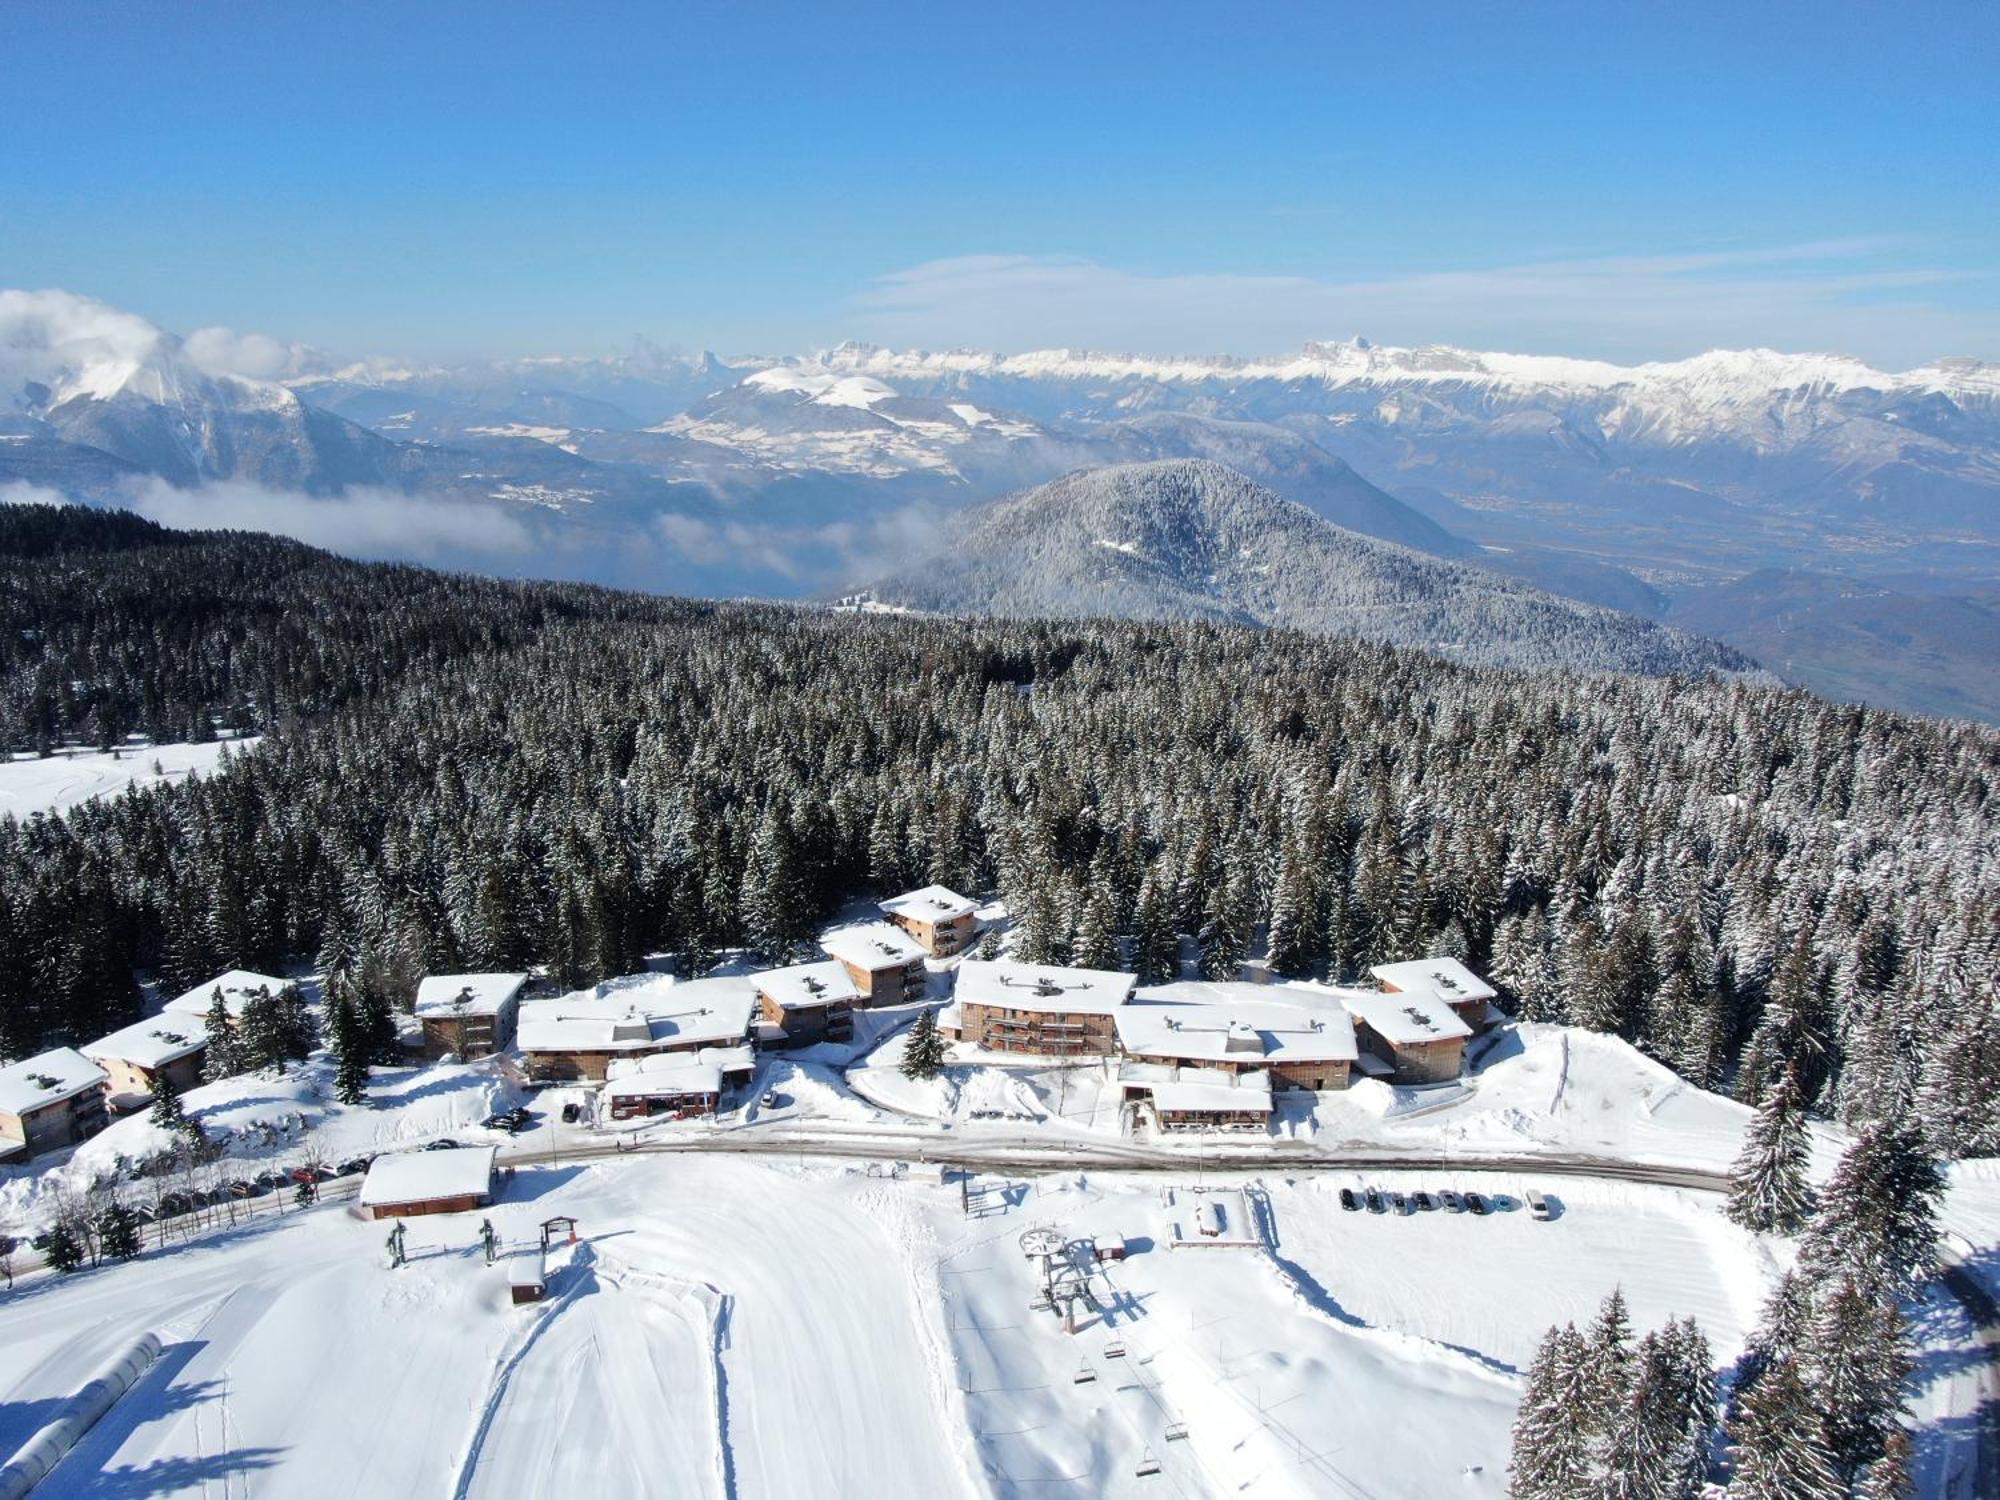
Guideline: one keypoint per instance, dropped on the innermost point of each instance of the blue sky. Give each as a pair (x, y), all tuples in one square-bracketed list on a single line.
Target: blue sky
[(440, 180)]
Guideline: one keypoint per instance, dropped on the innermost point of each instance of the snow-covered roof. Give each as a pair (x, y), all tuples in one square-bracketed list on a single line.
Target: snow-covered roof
[(237, 986), (1043, 987), (872, 945), (637, 1013), (1405, 1019), (1446, 978), (47, 1078), (807, 986), (524, 1268), (1237, 1029), (934, 903), (727, 1060), (684, 1073), (421, 1176), (1212, 1091), (438, 994), (152, 1043)]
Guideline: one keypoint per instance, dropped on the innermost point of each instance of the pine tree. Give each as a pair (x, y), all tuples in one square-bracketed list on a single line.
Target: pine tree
[(924, 1050), (1768, 1190), (1856, 1364), (1551, 1448), (118, 1231), (349, 1042), (223, 1058), (1889, 1477), (1777, 1444), (60, 1248), (1612, 1368), (1878, 1217), (1644, 1437), (1095, 945), (1956, 1097), (1158, 956), (168, 1112)]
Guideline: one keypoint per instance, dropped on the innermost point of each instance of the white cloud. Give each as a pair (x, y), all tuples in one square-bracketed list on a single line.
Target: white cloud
[(255, 356), (45, 335), (1849, 296), (20, 492), (367, 523)]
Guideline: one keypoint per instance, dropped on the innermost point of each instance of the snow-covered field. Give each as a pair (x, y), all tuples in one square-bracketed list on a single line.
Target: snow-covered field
[(29, 785), (811, 1329)]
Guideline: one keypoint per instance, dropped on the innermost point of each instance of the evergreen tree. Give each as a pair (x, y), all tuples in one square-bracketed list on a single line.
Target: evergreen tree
[(168, 1112), (223, 1058), (118, 1231), (349, 1041), (1551, 1448), (1956, 1097), (1095, 945), (1856, 1364), (924, 1050), (989, 945), (1643, 1440), (60, 1248), (1777, 1443), (1878, 1217), (1769, 1191), (1158, 956), (1889, 1477)]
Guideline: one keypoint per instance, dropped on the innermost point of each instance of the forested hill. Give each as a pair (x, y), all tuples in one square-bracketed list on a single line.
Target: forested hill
[(111, 625), (1739, 879), (1191, 539)]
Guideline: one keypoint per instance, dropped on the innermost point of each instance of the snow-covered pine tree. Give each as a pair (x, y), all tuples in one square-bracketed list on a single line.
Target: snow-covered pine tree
[(1877, 1221), (924, 1049), (1956, 1098), (348, 1038), (59, 1247), (1095, 945), (1890, 1476), (1778, 1445), (1769, 1192), (117, 1231), (1157, 955), (1551, 1448), (223, 1058), (168, 1112), (1856, 1363)]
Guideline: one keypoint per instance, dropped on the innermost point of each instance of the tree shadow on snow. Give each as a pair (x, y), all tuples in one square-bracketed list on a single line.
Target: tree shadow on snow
[(168, 1476)]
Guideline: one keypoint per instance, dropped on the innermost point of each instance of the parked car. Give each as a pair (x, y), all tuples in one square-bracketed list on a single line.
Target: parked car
[(1424, 1201), (1475, 1203), (1348, 1201), (569, 1113), (1451, 1201), (1538, 1205), (772, 1099), (1398, 1203), (1375, 1203), (504, 1122), (247, 1188), (442, 1143), (354, 1165), (268, 1179)]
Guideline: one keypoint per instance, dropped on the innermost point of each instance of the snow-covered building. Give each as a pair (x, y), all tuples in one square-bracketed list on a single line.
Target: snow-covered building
[(1470, 997), (238, 988), (684, 1085), (169, 1046), (577, 1036), (1200, 1098), (409, 1183), (941, 920), (1405, 1037), (806, 1003), (1007, 1006), (468, 1014), (885, 963), (50, 1100), (1297, 1038)]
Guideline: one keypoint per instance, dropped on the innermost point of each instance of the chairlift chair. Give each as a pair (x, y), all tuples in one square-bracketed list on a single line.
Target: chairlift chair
[(1176, 1432), (1114, 1351), (1084, 1375), (1148, 1465)]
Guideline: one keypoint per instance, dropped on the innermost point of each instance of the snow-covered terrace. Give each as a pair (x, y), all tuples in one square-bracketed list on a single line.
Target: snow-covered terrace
[(869, 946), (480, 994), (151, 1043), (238, 987), (933, 903), (1012, 985), (47, 1078), (807, 986)]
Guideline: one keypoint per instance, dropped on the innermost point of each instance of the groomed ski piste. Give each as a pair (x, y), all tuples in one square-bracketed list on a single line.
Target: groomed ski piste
[(828, 1295)]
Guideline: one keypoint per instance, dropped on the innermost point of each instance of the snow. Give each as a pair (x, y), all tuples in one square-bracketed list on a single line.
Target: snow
[(30, 785), (1402, 1019), (638, 1012), (871, 946), (1210, 1021), (1210, 1090), (807, 986), (931, 903), (1446, 978), (46, 1078), (420, 1176), (438, 994), (1041, 987), (149, 1044), (552, 435), (238, 986)]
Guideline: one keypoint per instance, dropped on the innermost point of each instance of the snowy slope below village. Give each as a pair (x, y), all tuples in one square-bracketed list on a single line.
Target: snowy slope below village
[(54, 784)]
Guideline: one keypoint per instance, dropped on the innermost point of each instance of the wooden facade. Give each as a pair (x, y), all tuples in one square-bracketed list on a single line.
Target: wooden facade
[(1437, 1061), (1046, 1033), (804, 1025), (59, 1123), (892, 984), (125, 1079), (454, 1205), (945, 939)]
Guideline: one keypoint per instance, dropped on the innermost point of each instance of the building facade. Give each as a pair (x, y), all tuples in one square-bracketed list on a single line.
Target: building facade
[(884, 962), (51, 1100), (1049, 1011), (940, 921)]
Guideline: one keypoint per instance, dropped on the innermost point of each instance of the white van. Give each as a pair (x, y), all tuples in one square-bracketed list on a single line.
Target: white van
[(1537, 1204)]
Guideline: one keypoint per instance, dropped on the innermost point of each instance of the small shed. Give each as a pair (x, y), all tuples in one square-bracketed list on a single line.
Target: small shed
[(561, 1227), (527, 1281), (429, 1182)]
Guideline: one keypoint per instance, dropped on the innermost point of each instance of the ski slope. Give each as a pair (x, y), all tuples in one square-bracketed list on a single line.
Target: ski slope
[(55, 785)]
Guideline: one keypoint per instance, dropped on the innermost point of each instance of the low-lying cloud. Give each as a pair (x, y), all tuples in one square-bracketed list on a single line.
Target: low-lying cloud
[(367, 523)]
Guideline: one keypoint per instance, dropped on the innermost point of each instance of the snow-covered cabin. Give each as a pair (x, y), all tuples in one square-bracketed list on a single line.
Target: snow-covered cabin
[(884, 962), (1203, 1098), (169, 1046), (428, 1182), (685, 1085), (50, 1100), (238, 988), (807, 1003), (941, 920), (1406, 1037), (576, 1036), (1299, 1038), (468, 1014), (1006, 1006), (1470, 997)]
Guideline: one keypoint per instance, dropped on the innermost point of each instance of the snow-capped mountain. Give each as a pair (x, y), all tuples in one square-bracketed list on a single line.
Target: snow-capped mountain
[(1192, 539)]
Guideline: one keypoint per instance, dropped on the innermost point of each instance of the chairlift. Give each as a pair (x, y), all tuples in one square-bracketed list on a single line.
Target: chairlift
[(1084, 1375), (1148, 1465), (1114, 1351), (1176, 1432)]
